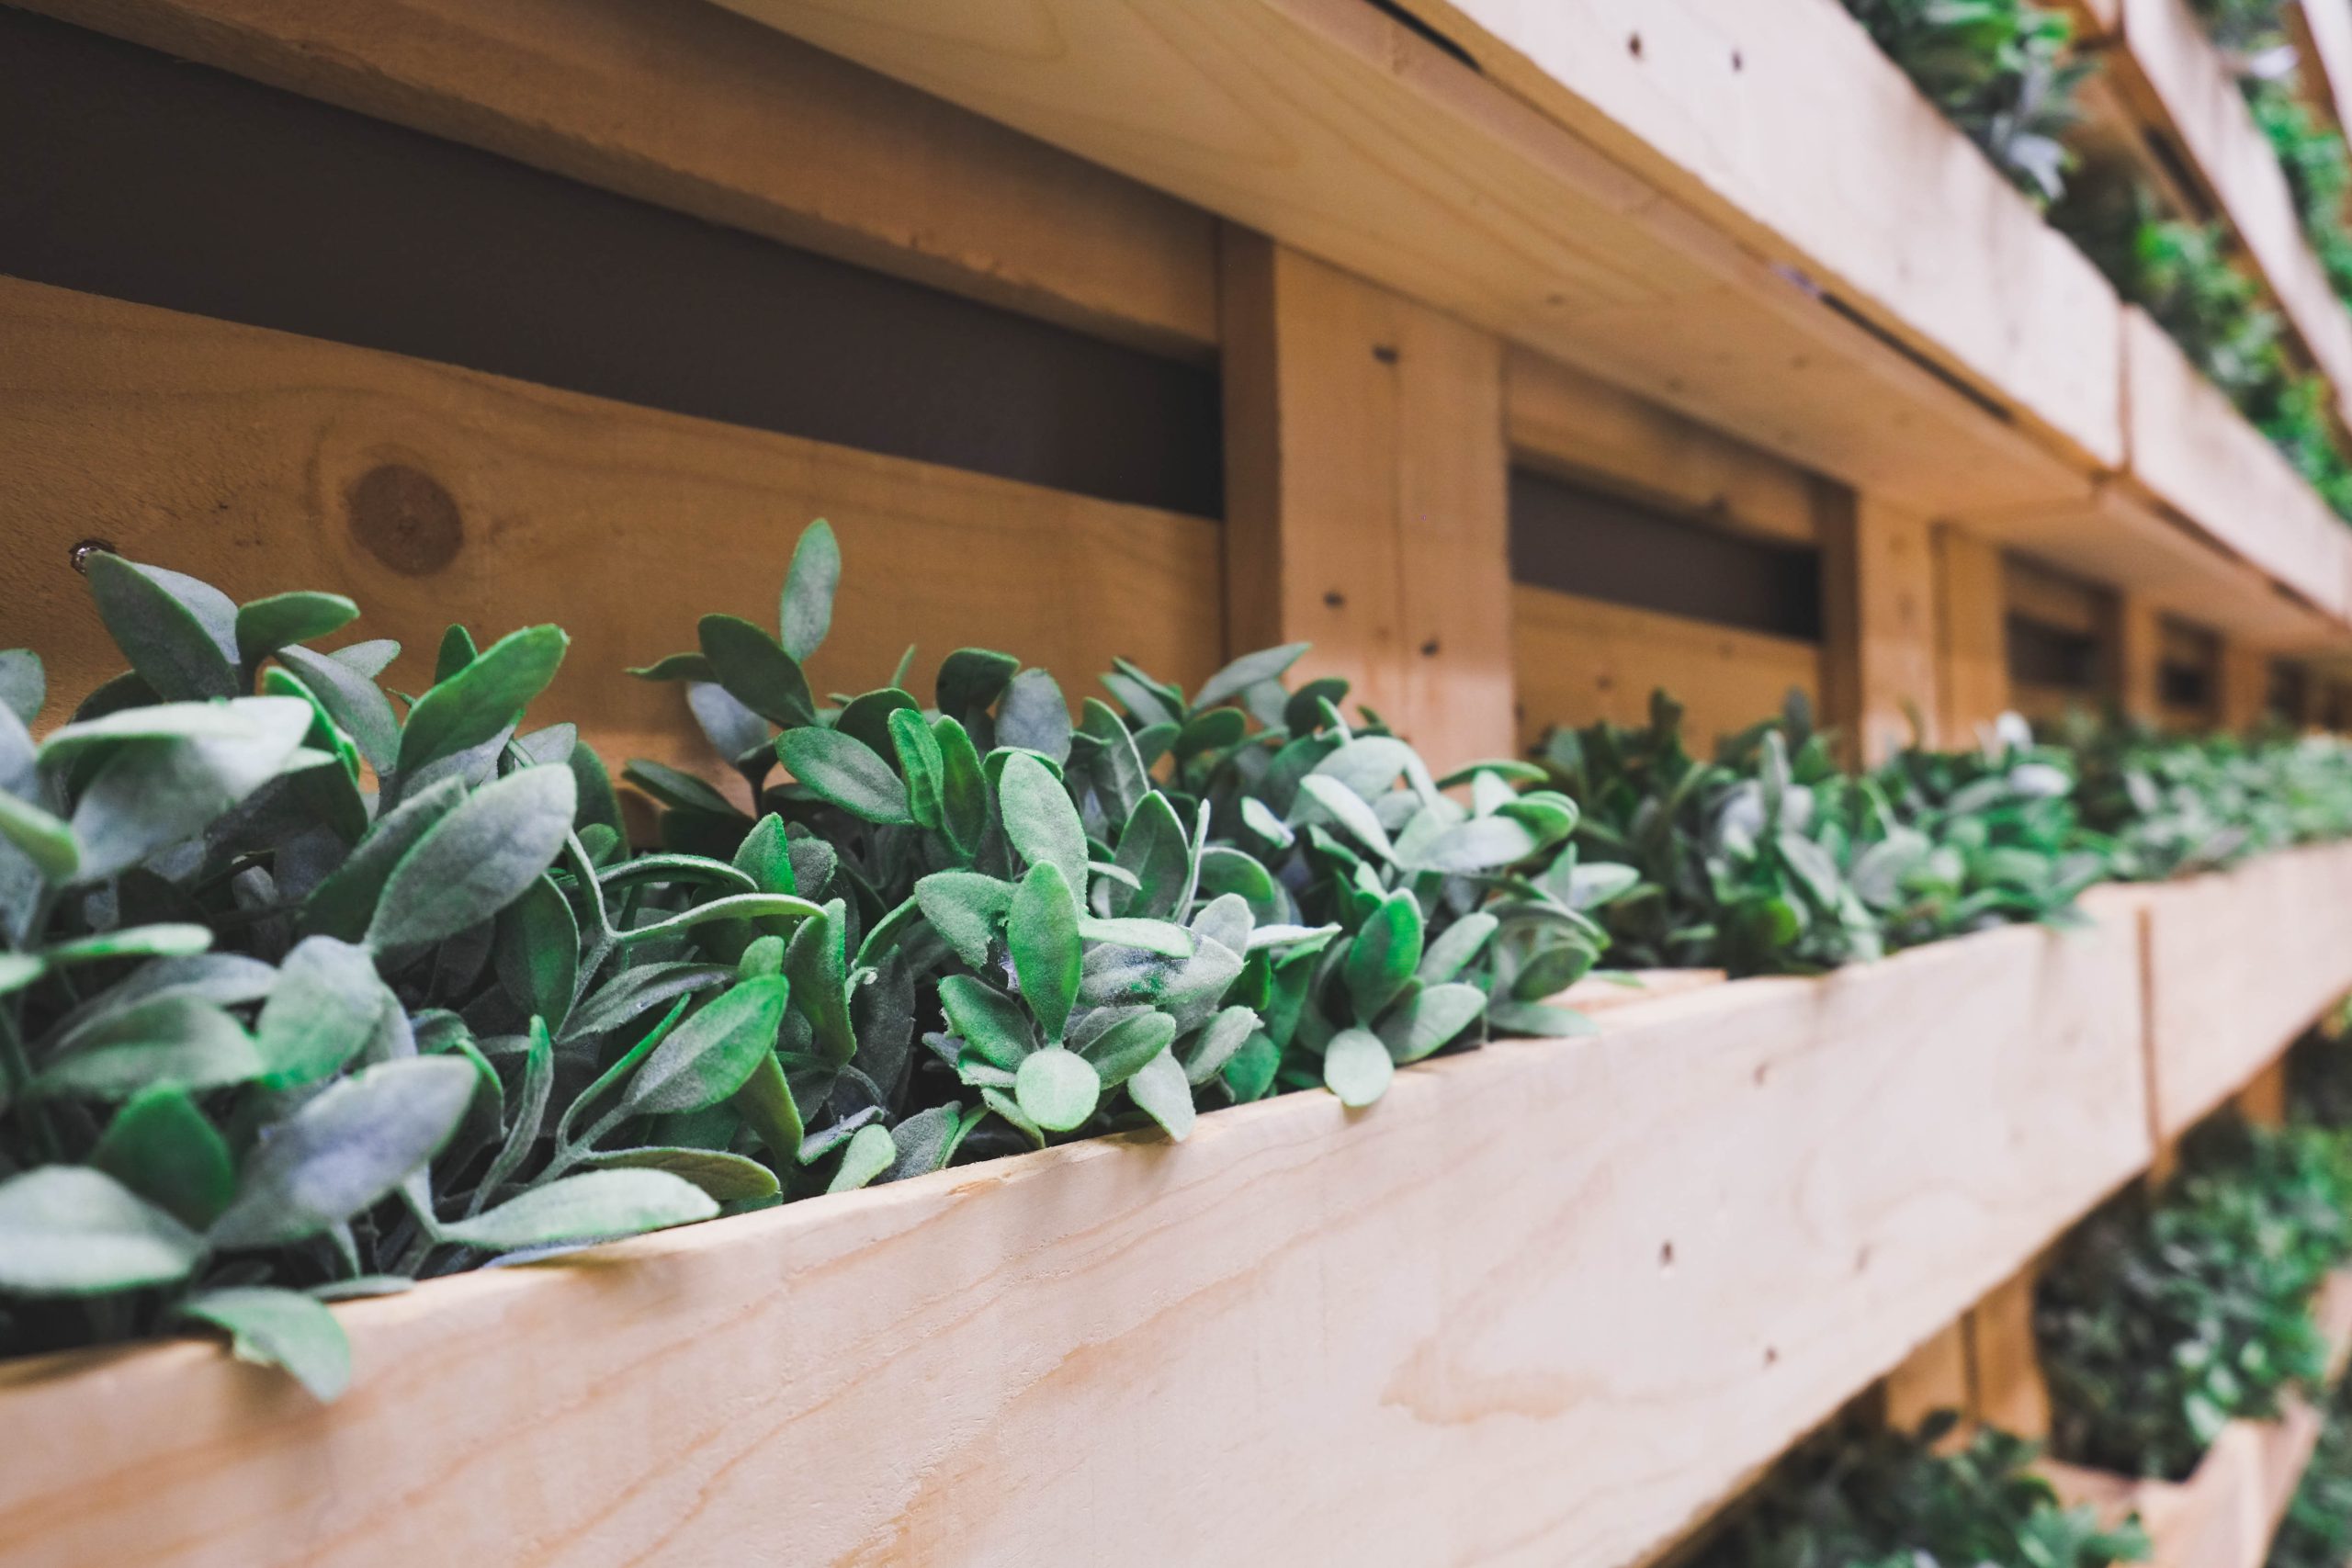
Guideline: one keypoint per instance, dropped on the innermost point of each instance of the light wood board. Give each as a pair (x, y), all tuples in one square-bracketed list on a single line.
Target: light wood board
[(1543, 1304), (244, 457)]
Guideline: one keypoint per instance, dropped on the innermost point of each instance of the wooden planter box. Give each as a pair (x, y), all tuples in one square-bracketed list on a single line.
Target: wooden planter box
[(2240, 963), (2194, 453), (2225, 1515), (1546, 1303)]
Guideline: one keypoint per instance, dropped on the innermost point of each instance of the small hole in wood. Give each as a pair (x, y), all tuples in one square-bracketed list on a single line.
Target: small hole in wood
[(1335, 598), (1429, 649), (1665, 1256), (1736, 62), (1633, 46), (1771, 1357), (1385, 353), (79, 556), (1763, 1072)]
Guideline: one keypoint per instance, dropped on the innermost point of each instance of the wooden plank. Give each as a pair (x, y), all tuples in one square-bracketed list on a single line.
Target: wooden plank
[(2134, 648), (2180, 81), (2006, 1361), (1367, 495), (1568, 423), (1579, 660), (1933, 1379), (2245, 684), (2323, 30), (1671, 1249), (1343, 134), (2053, 599), (1878, 619), (263, 462), (2189, 450), (1782, 121), (692, 108), (2239, 964), (1971, 634)]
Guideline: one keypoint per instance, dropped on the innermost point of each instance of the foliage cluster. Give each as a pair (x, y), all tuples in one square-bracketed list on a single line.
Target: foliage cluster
[(2161, 1321), (1861, 1497)]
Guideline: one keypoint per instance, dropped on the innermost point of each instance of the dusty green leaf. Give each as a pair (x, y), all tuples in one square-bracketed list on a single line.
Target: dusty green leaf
[(805, 614), (264, 626), (170, 1040), (1430, 1019), (353, 700), (725, 1177), (179, 635), (1056, 1089), (871, 1152), (1384, 955), (757, 671), (1357, 1067), (1161, 1091), (846, 771), (478, 859), (483, 699), (160, 1146), (66, 1230), (271, 1327), (322, 1012), (597, 1205), (967, 908), (536, 951), (1042, 932), (709, 1057), (1040, 821)]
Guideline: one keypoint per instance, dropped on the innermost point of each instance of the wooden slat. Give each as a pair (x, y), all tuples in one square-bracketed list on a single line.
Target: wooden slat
[(1669, 1250), (690, 107), (1879, 636), (1367, 495), (2323, 30), (1579, 660), (1971, 634), (1781, 119), (245, 457), (2054, 600), (2192, 452), (2243, 684), (1565, 422), (1343, 133), (2135, 657), (1932, 1379), (2006, 1361), (2240, 963), (2178, 80)]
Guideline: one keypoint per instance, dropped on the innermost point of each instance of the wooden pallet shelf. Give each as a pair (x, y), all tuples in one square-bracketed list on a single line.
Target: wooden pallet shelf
[(1565, 1293), (2225, 1515)]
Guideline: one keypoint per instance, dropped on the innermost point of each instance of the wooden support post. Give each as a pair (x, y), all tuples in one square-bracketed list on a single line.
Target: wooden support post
[(1971, 636), (2246, 685), (1367, 495), (2010, 1392), (2135, 658), (1878, 627), (2263, 1099), (1935, 1376)]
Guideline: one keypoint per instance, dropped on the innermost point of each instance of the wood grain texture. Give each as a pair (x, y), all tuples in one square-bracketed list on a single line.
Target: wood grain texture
[(1879, 677), (1933, 1379), (1782, 121), (1565, 423), (1663, 1253), (2134, 644), (1343, 134), (2239, 964), (1578, 660), (691, 108), (264, 462), (1971, 636), (2191, 451), (2181, 84), (1367, 495)]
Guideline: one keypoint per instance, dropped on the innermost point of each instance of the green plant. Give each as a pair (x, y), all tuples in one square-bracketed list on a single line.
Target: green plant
[(2002, 71), (2160, 1322), (271, 1039), (2170, 805), (1864, 1497)]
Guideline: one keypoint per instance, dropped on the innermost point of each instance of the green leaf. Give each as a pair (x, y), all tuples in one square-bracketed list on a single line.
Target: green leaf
[(170, 940), (678, 666), (536, 951), (322, 1012), (171, 1039), (767, 909), (972, 679), (867, 719), (1056, 1089), (483, 699), (18, 970), (921, 762), (870, 1153), (150, 795), (353, 700), (1034, 717), (1163, 937), (967, 908), (990, 1022), (1265, 664), (845, 771), (48, 842), (672, 787), (1384, 955), (180, 633), (278, 1328), (478, 859), (1455, 947), (1154, 850), (370, 657), (597, 1205), (1162, 1092), (806, 612), (756, 672), (709, 1057), (766, 1106), (1345, 808), (24, 684), (1480, 844), (963, 788), (1042, 932), (268, 624), (346, 1150), (1357, 1067), (457, 649), (66, 1230), (1040, 821), (1224, 1035), (344, 904), (819, 970), (1121, 1051), (1430, 1018), (161, 1148), (1538, 1019), (726, 1178)]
